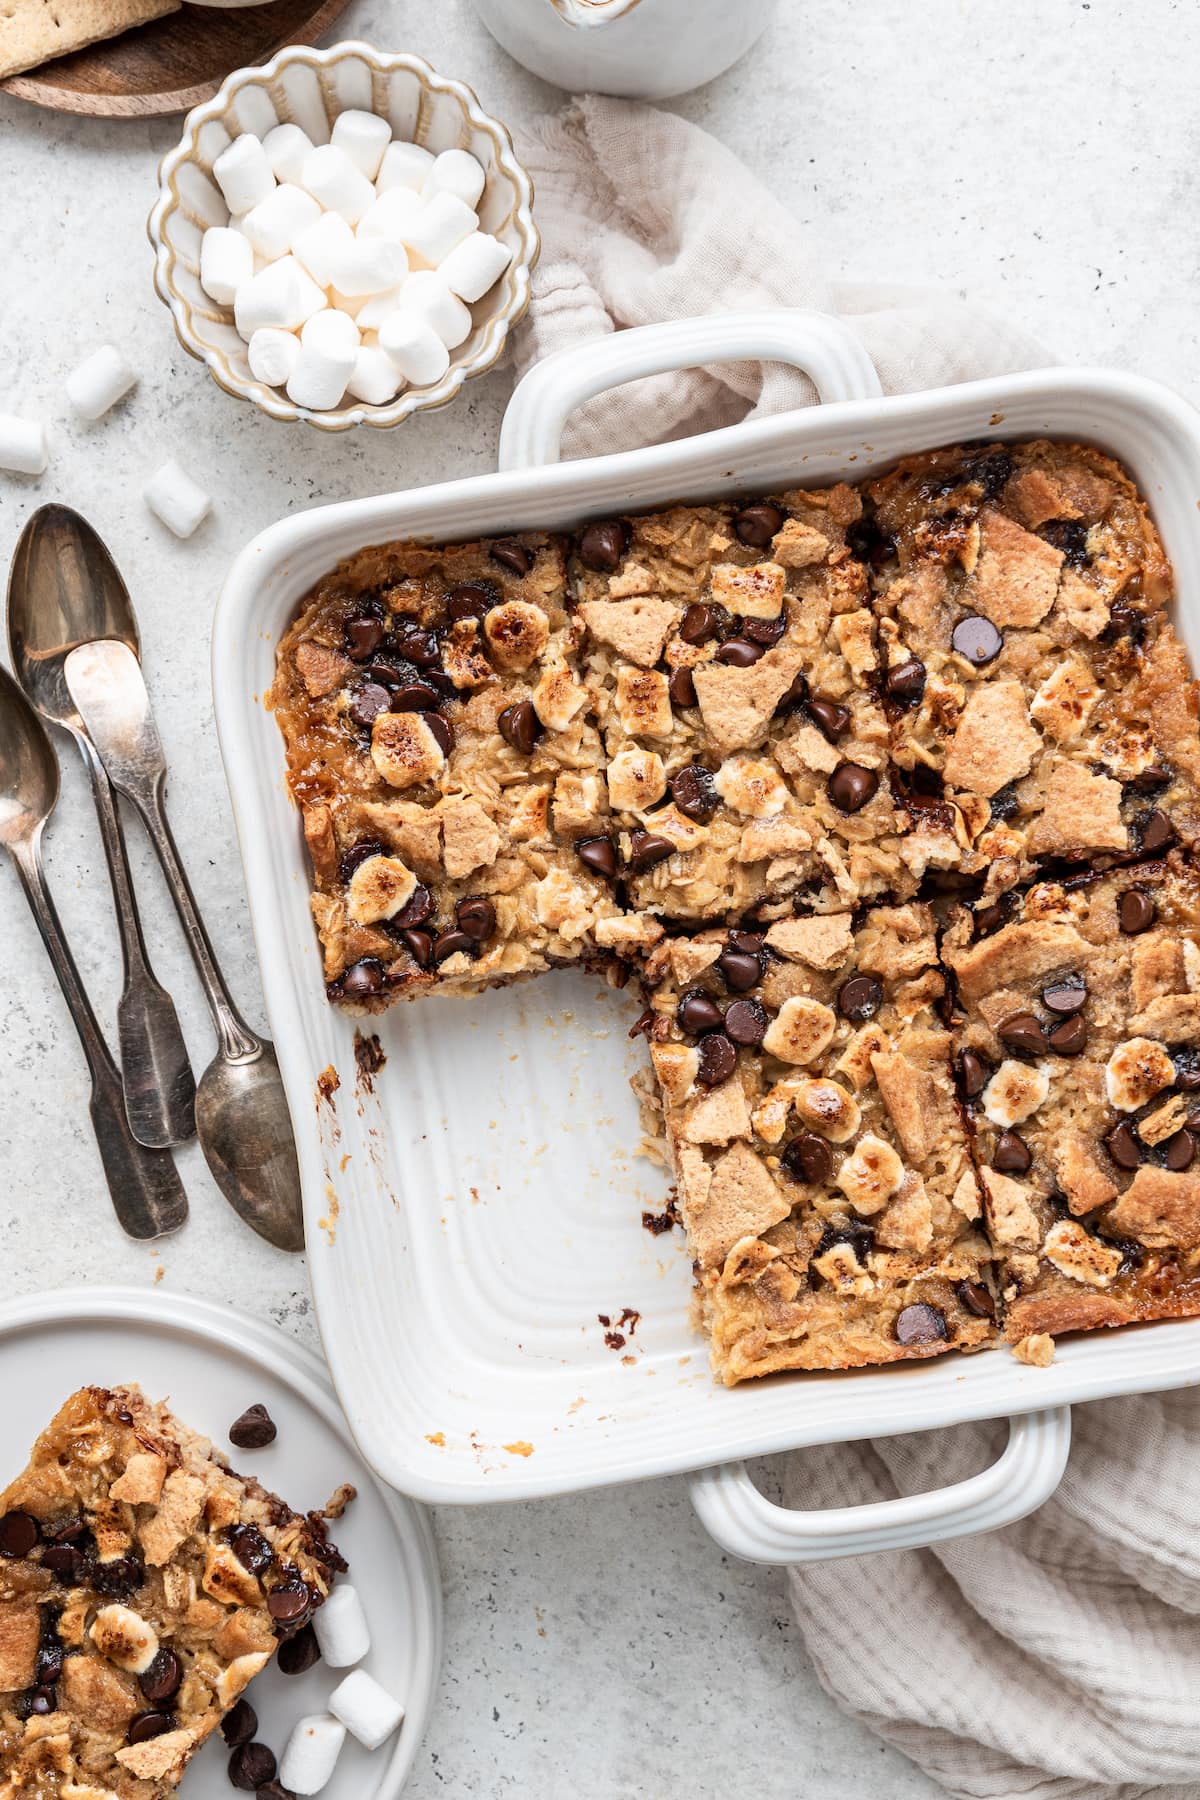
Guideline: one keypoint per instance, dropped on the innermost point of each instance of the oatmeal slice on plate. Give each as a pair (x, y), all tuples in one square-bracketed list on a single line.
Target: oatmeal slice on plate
[(803, 1081), (1079, 1063), (441, 752)]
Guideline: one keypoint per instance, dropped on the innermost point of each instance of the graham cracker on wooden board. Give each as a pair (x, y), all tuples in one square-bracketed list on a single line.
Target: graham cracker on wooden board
[(33, 31)]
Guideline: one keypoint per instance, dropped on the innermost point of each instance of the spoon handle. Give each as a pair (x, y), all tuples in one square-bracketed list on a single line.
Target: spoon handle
[(146, 1191), (160, 1089)]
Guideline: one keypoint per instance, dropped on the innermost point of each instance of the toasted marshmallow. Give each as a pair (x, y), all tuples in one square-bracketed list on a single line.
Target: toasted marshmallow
[(1076, 1253), (800, 1031), (1136, 1071), (870, 1175), (1015, 1092), (404, 750), (125, 1638), (379, 887), (750, 786), (828, 1108), (636, 779)]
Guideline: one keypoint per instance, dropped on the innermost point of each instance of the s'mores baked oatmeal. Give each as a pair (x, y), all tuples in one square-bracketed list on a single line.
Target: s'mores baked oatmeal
[(142, 1586), (802, 1079)]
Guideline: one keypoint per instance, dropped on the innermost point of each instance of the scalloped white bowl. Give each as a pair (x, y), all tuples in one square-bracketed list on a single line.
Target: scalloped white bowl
[(311, 87)]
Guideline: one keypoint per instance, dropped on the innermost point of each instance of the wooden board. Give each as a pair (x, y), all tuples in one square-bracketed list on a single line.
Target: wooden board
[(174, 63)]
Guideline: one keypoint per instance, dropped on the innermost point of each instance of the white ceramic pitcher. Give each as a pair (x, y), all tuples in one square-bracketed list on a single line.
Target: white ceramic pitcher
[(643, 49)]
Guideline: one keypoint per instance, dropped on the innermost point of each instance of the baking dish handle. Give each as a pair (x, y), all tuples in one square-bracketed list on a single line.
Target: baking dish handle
[(748, 1525), (826, 350)]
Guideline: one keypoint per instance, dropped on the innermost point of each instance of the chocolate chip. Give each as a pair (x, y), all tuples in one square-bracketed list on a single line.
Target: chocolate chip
[(921, 1324), (251, 1549), (851, 786), (1122, 1145), (740, 969), (1070, 536), (868, 542), (682, 688), (1003, 804), (520, 726), (419, 945), (1155, 831), (697, 1013), (718, 1059), (163, 1679), (289, 1601), (442, 730), (254, 1429), (988, 919), (990, 471), (64, 1562), (415, 696), (1150, 780), (49, 1666), (354, 856), (739, 652), (646, 848), (452, 943), (362, 978), (859, 998), (1012, 1155), (420, 647), (415, 910), (905, 684), (599, 855), (391, 673), (369, 701), (296, 1654), (795, 695), (807, 1157), (1065, 997), (694, 792), (1179, 1150), (757, 525), (477, 917), (1136, 911), (18, 1534), (1023, 1031), (764, 631), (973, 1074), (1070, 1038), (977, 640), (472, 599), (746, 1022), (830, 719), (363, 635), (752, 941), (974, 1298), (698, 624), (251, 1767), (37, 1703), (511, 556), (602, 546), (146, 1725), (273, 1790)]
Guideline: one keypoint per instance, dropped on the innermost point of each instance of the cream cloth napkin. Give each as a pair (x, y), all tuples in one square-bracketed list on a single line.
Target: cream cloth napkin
[(1060, 1659)]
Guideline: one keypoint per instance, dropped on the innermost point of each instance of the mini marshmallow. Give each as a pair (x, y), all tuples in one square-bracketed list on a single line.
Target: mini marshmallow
[(440, 226), (340, 186), (367, 1710), (415, 348), (99, 382), (243, 173), (375, 379), (404, 166), (281, 295), (371, 313), (311, 1754), (286, 148), (367, 266), (456, 172), (226, 262), (22, 445), (364, 137), (341, 1628), (391, 214), (316, 248), (176, 499), (274, 354), (273, 226), (350, 304), (328, 348), (475, 266), (426, 295), (331, 330)]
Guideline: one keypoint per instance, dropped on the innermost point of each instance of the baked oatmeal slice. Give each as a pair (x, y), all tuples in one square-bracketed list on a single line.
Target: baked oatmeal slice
[(729, 656), (1079, 1062), (1037, 693), (441, 753), (142, 1586), (803, 1082)]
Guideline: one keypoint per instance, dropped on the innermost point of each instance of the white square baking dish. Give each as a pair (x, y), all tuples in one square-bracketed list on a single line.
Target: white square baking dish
[(473, 1210)]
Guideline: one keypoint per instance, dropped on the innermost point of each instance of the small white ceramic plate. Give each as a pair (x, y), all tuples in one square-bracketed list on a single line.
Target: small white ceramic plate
[(213, 1362)]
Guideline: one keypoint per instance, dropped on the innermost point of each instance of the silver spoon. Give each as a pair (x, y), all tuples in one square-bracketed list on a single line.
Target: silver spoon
[(241, 1113), (60, 593), (146, 1190)]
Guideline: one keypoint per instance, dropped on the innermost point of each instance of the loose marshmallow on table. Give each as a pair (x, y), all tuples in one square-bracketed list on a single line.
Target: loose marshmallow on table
[(391, 214), (374, 377), (272, 227), (243, 173), (99, 382), (226, 261), (312, 1752), (404, 166), (281, 295), (364, 137), (317, 247), (273, 355), (416, 349), (475, 265), (426, 295), (341, 1627), (339, 184), (22, 445), (367, 1710), (456, 172), (286, 148), (328, 348), (440, 226), (176, 499), (369, 265)]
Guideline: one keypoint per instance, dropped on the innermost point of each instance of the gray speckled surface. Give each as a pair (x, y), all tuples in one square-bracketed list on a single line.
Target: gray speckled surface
[(1040, 155)]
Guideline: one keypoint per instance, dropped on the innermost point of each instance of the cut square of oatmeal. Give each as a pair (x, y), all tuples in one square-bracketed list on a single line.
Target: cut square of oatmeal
[(1079, 1063), (142, 1586), (802, 1079)]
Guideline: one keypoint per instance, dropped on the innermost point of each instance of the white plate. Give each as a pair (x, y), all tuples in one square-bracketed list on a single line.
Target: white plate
[(213, 1362)]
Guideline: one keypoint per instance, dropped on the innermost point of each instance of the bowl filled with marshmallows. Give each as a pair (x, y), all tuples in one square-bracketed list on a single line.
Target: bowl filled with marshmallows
[(343, 236)]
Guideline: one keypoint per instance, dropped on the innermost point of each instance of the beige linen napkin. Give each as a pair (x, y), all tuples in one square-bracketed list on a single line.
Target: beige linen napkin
[(1060, 1659)]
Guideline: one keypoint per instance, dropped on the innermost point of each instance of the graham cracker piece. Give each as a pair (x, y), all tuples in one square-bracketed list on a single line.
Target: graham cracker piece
[(34, 31)]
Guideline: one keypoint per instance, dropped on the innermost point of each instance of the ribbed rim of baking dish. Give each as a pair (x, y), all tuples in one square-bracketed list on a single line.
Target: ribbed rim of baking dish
[(413, 400)]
